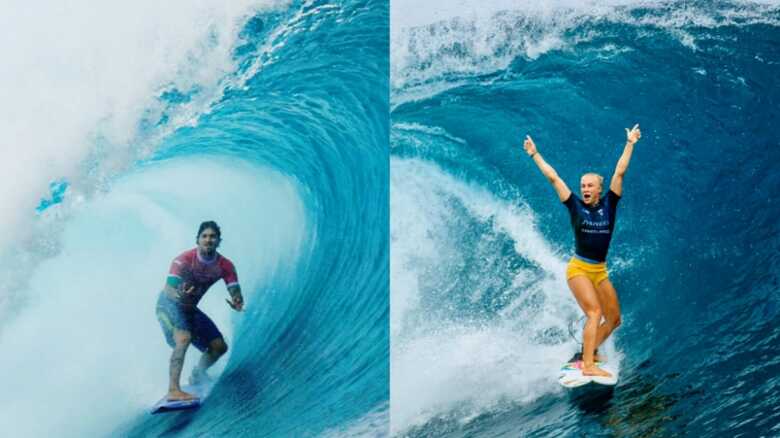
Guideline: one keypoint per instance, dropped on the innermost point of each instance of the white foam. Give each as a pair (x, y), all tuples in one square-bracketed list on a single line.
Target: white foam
[(87, 353), (374, 424), (79, 95), (444, 365), (448, 366), (435, 45)]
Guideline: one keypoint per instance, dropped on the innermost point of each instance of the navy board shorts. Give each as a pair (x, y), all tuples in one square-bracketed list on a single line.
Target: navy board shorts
[(173, 315)]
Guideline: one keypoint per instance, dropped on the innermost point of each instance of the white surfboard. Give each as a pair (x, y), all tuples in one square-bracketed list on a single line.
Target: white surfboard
[(571, 374)]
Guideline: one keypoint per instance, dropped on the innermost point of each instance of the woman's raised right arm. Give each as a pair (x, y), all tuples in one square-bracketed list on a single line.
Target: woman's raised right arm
[(547, 170)]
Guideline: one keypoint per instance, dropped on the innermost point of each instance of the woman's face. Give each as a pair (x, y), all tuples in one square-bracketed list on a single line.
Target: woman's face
[(590, 188)]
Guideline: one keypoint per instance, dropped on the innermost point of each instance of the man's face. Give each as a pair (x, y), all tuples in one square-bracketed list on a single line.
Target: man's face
[(590, 189), (208, 240)]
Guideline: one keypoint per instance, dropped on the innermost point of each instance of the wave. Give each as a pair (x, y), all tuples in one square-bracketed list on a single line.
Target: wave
[(255, 116), (479, 240)]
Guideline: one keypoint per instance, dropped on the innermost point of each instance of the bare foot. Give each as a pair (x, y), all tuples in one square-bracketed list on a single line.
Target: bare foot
[(596, 357), (175, 395), (593, 370)]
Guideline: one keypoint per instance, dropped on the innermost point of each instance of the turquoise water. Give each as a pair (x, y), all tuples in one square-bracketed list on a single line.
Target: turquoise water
[(479, 240), (281, 137)]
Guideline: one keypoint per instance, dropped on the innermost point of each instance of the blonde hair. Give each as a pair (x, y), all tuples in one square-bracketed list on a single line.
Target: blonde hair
[(598, 177)]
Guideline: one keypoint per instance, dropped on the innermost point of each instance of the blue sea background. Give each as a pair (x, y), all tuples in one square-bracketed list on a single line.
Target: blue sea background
[(287, 149), (481, 312)]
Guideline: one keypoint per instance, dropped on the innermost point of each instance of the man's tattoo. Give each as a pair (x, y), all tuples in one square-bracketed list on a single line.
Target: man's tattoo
[(177, 361)]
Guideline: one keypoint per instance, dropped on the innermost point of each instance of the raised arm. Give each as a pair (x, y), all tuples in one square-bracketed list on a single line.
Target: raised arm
[(547, 170), (632, 136)]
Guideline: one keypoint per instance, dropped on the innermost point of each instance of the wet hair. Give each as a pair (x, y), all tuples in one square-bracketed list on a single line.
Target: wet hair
[(206, 225), (598, 177)]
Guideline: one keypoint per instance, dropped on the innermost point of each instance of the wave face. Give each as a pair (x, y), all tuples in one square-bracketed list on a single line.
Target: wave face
[(479, 241), (268, 117)]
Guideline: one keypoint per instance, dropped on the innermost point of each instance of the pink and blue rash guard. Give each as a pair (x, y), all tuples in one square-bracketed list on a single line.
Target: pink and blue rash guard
[(192, 269)]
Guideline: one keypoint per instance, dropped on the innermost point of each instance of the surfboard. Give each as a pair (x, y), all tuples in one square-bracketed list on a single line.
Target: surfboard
[(571, 375), (165, 405), (200, 391)]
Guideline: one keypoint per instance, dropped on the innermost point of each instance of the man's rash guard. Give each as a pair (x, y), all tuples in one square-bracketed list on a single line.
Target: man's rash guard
[(190, 269), (593, 226)]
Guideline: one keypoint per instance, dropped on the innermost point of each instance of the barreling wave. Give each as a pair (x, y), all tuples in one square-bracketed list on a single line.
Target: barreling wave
[(268, 117), (481, 310)]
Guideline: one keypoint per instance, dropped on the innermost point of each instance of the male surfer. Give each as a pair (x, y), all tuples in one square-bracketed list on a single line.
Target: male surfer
[(190, 276), (593, 220)]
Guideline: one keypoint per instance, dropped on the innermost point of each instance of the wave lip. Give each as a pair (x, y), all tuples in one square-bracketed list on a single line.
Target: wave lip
[(450, 43)]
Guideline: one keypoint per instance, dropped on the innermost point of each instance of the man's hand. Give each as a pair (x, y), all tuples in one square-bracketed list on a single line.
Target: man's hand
[(529, 145), (185, 290), (634, 134), (236, 302)]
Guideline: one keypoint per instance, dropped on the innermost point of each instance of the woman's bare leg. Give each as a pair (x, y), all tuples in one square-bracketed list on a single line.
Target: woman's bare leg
[(588, 299), (611, 307)]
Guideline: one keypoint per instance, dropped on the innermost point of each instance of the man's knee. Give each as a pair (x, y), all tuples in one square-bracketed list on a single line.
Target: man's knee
[(182, 339), (218, 347)]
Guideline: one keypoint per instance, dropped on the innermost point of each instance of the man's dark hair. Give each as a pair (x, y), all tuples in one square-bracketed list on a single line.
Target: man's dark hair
[(209, 224)]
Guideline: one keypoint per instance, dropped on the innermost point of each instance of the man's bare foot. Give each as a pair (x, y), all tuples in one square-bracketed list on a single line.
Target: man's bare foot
[(179, 395), (593, 370), (199, 377)]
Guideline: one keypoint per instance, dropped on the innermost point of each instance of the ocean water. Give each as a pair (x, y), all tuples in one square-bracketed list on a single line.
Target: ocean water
[(124, 127), (480, 307)]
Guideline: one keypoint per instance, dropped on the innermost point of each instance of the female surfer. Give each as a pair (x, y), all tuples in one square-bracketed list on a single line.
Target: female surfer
[(593, 221)]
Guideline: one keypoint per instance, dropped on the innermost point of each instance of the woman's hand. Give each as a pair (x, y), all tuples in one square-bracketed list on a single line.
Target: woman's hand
[(634, 134), (530, 146)]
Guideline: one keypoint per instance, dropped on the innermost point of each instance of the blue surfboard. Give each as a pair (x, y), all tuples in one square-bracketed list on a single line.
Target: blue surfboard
[(165, 405)]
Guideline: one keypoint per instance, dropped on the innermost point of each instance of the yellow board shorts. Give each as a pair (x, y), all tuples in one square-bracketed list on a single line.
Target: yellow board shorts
[(596, 272)]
